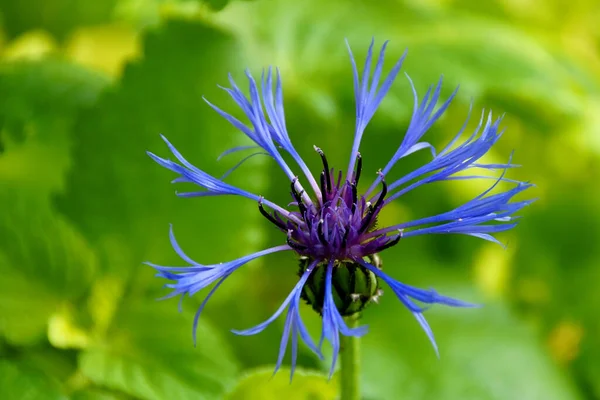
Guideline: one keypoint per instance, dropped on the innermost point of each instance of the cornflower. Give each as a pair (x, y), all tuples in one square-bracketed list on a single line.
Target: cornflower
[(331, 226)]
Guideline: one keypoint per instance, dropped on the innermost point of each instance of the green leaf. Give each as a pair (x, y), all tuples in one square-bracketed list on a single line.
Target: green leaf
[(130, 194), (485, 54), (100, 394), (552, 272), (45, 89), (485, 353), (44, 263), (216, 5), (148, 353), (40, 252), (56, 16), (23, 383), (38, 100), (56, 364), (260, 384)]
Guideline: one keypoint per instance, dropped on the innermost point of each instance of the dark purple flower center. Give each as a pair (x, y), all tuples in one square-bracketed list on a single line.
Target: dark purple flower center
[(335, 228)]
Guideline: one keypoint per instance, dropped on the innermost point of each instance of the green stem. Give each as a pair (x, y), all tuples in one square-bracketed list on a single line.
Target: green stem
[(350, 363)]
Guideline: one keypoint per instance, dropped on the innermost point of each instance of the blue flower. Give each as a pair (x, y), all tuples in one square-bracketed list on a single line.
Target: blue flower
[(330, 226)]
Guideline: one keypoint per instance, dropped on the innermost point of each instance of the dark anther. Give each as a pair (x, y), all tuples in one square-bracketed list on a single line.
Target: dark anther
[(383, 193), (323, 187), (308, 220), (391, 243), (358, 168), (298, 197), (268, 216), (354, 197), (367, 219), (339, 179), (294, 245), (345, 238), (294, 192), (373, 209), (320, 232), (325, 167)]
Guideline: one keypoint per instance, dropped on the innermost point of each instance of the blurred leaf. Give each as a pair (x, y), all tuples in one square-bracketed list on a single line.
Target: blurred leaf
[(587, 366), (485, 353), (115, 190), (31, 45), (260, 384), (56, 16), (145, 14), (45, 89), (104, 300), (37, 103), (18, 382), (64, 331), (483, 53), (148, 353), (40, 251), (105, 48), (535, 60), (555, 268), (450, 36), (55, 364), (43, 261), (99, 394), (216, 5)]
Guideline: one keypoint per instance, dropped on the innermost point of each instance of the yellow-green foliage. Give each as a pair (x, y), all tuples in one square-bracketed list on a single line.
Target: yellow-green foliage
[(86, 87)]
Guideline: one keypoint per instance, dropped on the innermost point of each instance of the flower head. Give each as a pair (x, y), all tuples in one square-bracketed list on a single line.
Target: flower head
[(330, 225)]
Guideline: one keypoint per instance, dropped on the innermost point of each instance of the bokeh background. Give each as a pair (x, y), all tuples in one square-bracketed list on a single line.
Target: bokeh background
[(87, 86)]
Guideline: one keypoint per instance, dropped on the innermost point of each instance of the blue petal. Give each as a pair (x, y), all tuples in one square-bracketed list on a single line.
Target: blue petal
[(192, 174), (333, 322), (235, 150), (293, 323), (417, 147), (278, 129), (295, 292), (178, 249), (199, 311), (422, 119), (304, 335), (471, 218), (425, 325), (294, 348), (236, 166), (263, 325), (367, 96), (234, 121), (212, 185), (265, 133), (406, 292), (276, 117), (289, 321), (190, 280), (261, 132), (452, 162)]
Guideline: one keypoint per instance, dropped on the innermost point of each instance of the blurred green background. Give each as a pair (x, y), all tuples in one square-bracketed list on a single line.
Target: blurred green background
[(87, 86)]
